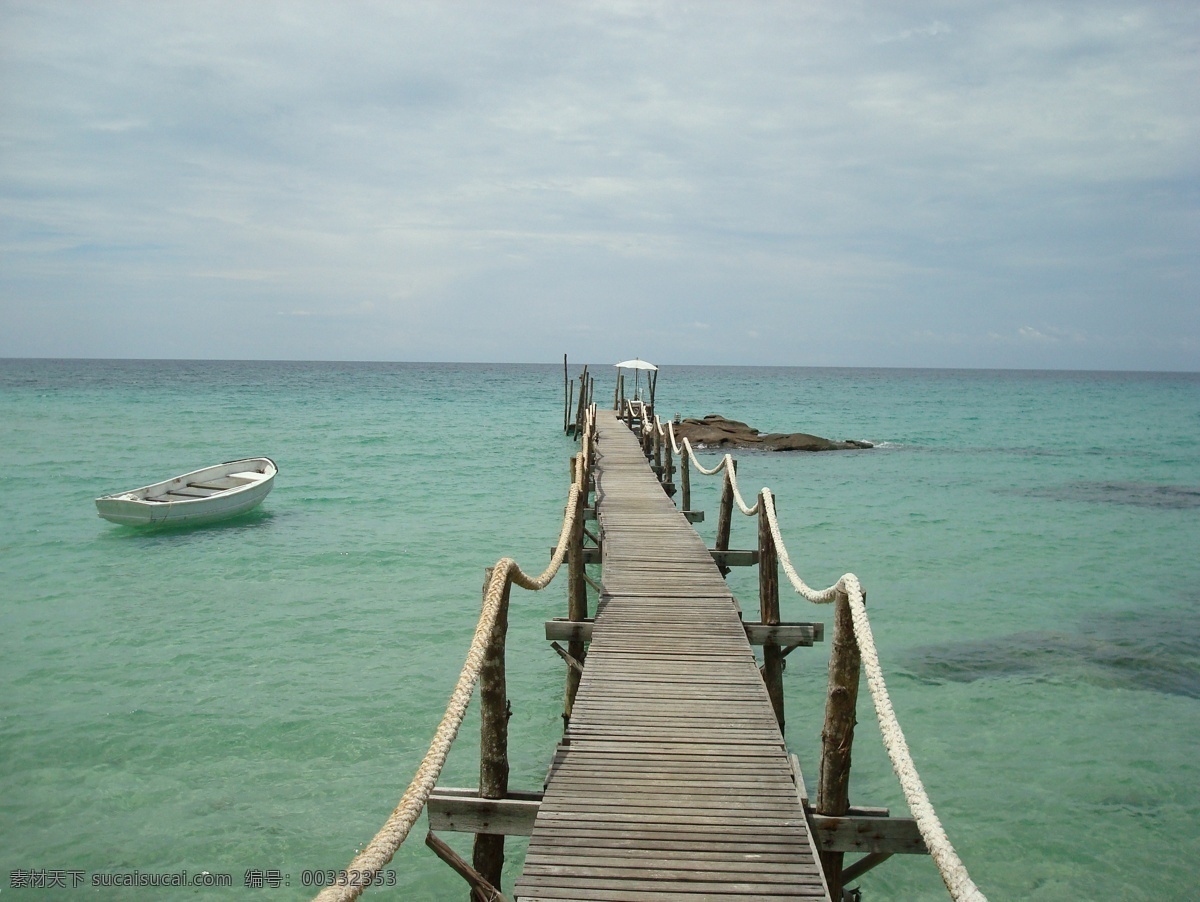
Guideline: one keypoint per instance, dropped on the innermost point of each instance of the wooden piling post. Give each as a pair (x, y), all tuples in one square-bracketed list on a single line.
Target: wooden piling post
[(725, 513), (659, 441), (668, 473), (577, 604), (583, 383), (837, 737), (566, 398), (768, 604), (488, 857), (685, 477)]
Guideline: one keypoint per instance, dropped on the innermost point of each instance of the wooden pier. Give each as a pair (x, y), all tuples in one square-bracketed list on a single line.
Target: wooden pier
[(673, 780)]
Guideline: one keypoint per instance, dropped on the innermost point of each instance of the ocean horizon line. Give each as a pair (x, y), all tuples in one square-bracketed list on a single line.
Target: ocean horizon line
[(556, 364)]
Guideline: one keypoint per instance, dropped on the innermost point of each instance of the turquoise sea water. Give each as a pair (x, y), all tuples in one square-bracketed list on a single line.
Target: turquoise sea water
[(255, 696)]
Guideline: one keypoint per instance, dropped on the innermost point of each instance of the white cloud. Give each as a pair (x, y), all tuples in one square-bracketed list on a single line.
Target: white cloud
[(1027, 333), (942, 173), (931, 30)]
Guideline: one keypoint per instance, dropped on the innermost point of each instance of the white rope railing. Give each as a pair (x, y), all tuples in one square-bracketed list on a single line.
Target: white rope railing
[(824, 596), (731, 475), (951, 868), (674, 444), (949, 865), (379, 851), (726, 464), (726, 461)]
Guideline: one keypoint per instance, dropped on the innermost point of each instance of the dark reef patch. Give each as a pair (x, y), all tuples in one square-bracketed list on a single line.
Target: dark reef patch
[(1155, 651), (1139, 494)]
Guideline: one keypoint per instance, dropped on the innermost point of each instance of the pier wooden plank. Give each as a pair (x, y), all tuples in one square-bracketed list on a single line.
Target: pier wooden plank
[(673, 781)]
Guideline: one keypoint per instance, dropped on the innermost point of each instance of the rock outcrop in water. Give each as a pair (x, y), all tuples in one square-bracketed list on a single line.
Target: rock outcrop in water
[(715, 431)]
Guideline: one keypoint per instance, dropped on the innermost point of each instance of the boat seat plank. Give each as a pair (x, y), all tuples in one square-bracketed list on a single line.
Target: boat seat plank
[(222, 483), (187, 493)]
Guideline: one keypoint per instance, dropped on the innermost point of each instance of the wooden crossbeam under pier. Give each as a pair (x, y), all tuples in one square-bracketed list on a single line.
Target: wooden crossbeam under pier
[(786, 634), (869, 830)]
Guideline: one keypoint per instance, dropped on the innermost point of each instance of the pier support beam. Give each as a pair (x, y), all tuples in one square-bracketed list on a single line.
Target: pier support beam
[(768, 604), (868, 831), (837, 737), (791, 635), (668, 473), (584, 399), (685, 479), (568, 397), (494, 710), (577, 603), (482, 889), (725, 516)]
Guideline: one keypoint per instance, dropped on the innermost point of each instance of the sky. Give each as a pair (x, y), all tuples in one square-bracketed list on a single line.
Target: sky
[(917, 184)]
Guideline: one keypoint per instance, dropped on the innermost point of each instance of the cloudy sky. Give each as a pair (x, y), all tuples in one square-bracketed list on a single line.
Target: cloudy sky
[(1007, 184)]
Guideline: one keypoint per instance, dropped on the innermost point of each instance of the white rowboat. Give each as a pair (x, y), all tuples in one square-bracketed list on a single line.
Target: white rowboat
[(202, 496)]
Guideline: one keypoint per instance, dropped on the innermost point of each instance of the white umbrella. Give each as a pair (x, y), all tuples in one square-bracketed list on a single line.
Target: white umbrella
[(636, 365)]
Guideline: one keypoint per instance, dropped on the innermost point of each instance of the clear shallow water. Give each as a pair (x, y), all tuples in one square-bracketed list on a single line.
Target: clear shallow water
[(257, 695)]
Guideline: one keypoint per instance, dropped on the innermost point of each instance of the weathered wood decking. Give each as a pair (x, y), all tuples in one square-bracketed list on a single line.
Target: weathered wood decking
[(674, 782)]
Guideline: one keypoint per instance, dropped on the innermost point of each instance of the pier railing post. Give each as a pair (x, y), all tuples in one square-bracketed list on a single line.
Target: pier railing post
[(725, 513), (566, 396), (494, 710), (583, 393), (668, 474), (577, 605), (837, 737), (685, 478), (768, 604)]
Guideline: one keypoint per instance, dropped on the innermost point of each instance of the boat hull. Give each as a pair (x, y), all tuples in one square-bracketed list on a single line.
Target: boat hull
[(193, 499)]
